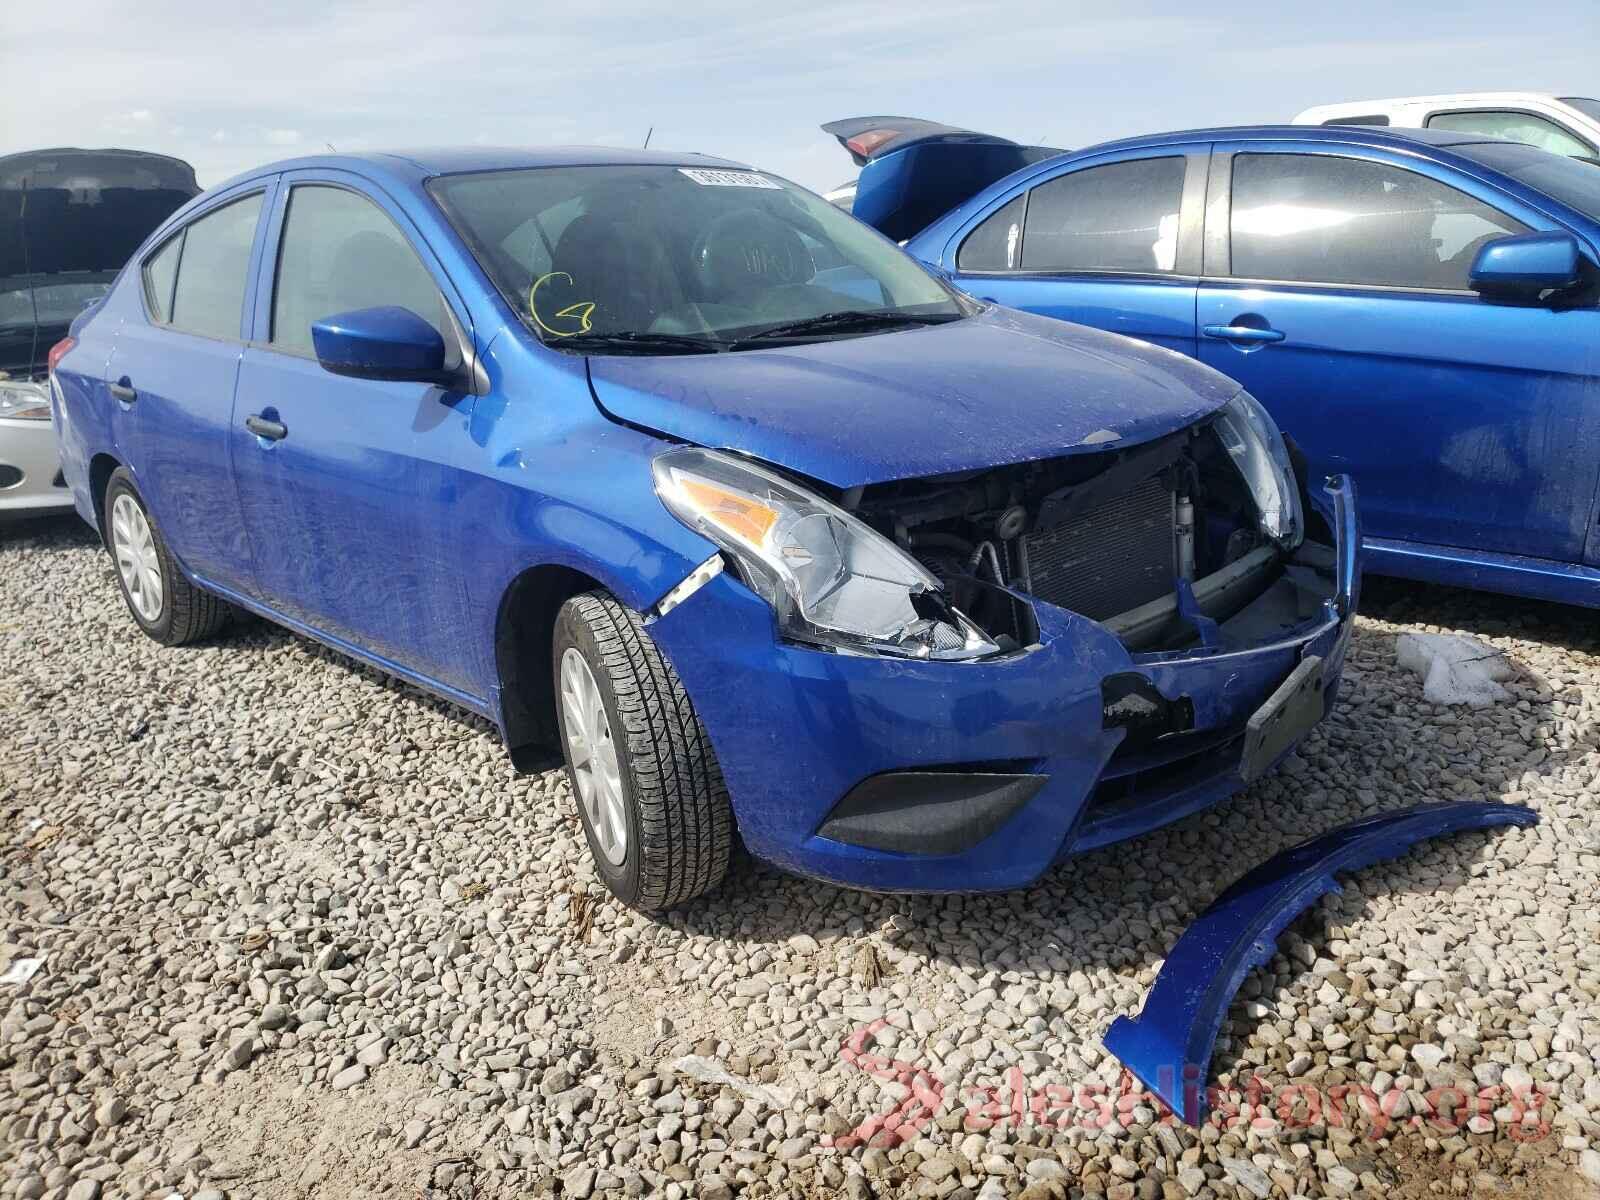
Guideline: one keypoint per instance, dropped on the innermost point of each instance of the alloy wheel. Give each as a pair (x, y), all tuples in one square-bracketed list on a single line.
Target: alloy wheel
[(134, 547), (592, 751)]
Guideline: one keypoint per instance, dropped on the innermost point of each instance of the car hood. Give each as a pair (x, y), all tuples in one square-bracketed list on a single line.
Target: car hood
[(999, 387)]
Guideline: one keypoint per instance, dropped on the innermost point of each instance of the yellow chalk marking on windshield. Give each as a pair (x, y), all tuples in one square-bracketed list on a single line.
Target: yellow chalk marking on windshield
[(583, 310)]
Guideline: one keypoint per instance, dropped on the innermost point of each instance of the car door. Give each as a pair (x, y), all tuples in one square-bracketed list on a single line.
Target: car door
[(172, 374), (1336, 291), (333, 472), (1111, 241)]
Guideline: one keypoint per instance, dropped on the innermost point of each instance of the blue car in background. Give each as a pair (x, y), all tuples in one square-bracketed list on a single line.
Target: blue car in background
[(1416, 308), (670, 467)]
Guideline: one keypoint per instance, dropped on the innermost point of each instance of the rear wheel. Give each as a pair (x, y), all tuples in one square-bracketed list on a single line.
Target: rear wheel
[(650, 794), (163, 602)]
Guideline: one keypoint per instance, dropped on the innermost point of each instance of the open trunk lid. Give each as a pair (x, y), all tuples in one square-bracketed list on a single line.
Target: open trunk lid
[(69, 219), (914, 171)]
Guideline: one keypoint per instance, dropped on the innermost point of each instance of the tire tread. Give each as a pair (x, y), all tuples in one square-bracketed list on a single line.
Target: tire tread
[(685, 815)]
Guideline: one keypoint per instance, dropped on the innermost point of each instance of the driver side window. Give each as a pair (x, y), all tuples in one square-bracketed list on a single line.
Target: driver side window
[(339, 252), (1324, 218), (1517, 127)]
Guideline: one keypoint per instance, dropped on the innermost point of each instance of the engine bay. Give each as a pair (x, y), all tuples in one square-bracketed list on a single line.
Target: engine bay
[(1154, 541)]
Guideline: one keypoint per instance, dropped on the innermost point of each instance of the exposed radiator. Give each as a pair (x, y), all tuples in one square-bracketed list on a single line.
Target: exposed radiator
[(1111, 558)]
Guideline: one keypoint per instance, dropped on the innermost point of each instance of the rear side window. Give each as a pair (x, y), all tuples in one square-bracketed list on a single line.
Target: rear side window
[(214, 263), (1327, 219), (1368, 119), (997, 242), (995, 245), (160, 273), (341, 253), (1119, 217), (1517, 127)]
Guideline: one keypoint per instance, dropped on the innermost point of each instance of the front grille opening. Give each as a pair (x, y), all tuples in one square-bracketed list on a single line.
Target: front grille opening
[(1108, 535), (1112, 558)]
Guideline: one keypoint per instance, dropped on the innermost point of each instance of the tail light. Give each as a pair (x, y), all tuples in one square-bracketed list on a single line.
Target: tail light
[(865, 143), (57, 351)]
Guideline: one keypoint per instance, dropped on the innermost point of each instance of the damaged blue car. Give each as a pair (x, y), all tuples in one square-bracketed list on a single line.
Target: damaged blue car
[(674, 471)]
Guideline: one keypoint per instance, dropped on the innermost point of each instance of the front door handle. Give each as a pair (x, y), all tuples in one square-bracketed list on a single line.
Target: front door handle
[(263, 428), (1241, 333), (123, 390)]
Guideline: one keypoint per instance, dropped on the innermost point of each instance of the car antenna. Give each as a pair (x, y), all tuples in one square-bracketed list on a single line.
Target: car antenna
[(647, 134)]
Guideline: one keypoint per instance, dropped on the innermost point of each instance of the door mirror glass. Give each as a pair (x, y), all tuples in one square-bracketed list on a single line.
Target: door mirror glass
[(1526, 266), (380, 343)]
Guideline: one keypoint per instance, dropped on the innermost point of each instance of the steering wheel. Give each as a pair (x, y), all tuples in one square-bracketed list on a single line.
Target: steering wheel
[(749, 251)]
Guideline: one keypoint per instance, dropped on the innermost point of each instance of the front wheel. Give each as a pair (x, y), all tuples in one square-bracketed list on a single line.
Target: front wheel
[(650, 793), (163, 602)]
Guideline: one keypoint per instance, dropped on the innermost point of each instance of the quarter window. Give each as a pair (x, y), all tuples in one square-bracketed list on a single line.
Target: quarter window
[(1517, 127), (995, 245), (160, 273), (1327, 219), (213, 266), (340, 253), (1119, 217)]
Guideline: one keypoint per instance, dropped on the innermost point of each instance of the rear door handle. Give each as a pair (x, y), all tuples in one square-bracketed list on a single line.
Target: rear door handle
[(263, 428), (1241, 333), (123, 390)]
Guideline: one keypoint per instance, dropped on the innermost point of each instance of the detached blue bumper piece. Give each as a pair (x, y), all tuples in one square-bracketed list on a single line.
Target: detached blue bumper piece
[(1168, 1045)]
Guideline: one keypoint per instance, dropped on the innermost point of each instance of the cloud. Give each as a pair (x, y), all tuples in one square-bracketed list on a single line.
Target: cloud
[(283, 137)]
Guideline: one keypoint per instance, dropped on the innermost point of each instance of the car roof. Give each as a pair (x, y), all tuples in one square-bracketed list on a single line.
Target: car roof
[(421, 163), (1374, 135)]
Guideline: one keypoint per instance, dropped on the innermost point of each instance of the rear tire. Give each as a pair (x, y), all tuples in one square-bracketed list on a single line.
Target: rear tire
[(650, 794), (161, 600)]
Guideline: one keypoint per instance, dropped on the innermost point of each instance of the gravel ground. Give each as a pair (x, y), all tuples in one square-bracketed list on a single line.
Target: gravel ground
[(306, 933)]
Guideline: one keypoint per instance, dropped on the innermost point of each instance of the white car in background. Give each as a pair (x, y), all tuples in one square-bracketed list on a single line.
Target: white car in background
[(1568, 125), (68, 221)]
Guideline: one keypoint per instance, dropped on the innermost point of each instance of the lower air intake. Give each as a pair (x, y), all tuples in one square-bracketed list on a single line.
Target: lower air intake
[(1110, 559)]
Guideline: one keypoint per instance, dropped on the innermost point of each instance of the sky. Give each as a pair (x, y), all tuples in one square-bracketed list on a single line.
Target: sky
[(229, 87)]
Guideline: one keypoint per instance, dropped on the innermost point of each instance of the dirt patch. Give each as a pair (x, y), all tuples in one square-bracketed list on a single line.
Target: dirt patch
[(266, 1134)]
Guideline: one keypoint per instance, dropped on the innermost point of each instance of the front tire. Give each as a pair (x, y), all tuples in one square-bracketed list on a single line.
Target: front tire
[(162, 601), (650, 794)]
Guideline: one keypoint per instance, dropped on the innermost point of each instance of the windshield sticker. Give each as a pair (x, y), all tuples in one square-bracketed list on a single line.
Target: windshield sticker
[(707, 177), (581, 311)]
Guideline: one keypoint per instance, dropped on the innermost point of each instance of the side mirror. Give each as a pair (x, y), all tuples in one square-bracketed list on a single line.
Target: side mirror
[(380, 343), (1526, 265)]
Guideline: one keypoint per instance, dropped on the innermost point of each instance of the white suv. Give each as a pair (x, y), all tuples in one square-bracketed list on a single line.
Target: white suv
[(1567, 125)]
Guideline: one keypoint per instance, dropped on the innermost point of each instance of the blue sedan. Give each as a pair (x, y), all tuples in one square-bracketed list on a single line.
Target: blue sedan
[(1416, 308), (672, 469)]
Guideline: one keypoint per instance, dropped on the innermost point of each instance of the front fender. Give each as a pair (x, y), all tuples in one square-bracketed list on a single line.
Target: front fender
[(1168, 1045)]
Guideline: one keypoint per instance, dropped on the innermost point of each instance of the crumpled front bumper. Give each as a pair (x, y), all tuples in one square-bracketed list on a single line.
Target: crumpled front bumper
[(796, 729), (1168, 1045)]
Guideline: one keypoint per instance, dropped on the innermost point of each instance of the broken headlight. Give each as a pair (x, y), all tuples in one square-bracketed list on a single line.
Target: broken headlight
[(831, 580), (1252, 440)]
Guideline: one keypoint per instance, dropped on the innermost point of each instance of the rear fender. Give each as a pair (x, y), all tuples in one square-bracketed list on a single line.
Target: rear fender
[(1168, 1045)]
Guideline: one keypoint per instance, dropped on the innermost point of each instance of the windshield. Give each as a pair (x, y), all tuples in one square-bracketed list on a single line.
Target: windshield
[(591, 257), (1574, 182), (56, 301), (1588, 107)]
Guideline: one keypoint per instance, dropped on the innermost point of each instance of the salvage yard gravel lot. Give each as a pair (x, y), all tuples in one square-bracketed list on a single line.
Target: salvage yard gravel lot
[(306, 933)]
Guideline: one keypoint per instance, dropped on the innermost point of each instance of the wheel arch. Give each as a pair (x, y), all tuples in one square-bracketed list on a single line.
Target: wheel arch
[(523, 630), (101, 467)]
